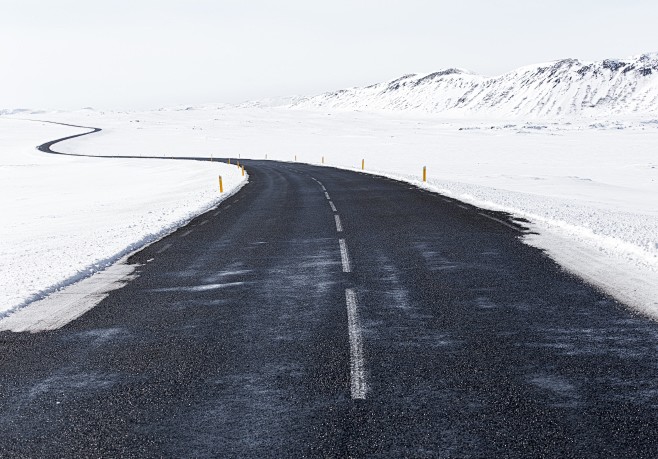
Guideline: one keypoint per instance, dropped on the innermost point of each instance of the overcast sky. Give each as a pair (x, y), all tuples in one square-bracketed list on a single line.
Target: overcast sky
[(121, 54)]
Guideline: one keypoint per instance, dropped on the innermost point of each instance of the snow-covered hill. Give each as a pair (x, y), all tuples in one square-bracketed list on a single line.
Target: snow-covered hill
[(556, 89), (20, 111)]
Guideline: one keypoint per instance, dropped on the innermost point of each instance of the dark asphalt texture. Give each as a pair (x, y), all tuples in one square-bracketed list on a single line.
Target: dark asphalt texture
[(233, 340)]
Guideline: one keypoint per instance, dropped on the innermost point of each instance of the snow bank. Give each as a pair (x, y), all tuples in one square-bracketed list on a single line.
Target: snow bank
[(589, 187), (66, 217)]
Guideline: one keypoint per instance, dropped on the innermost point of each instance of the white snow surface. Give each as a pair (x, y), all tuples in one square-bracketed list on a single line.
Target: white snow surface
[(588, 186), (64, 218), (567, 87)]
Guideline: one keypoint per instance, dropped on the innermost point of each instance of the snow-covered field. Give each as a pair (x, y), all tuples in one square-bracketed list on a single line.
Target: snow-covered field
[(589, 187), (65, 217)]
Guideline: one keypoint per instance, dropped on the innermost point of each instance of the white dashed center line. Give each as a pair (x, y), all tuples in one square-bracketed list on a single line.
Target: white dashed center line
[(186, 233), (358, 386), (203, 222), (344, 257), (357, 373), (339, 225)]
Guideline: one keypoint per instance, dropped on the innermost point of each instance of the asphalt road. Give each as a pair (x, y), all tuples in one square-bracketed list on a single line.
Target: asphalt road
[(431, 330)]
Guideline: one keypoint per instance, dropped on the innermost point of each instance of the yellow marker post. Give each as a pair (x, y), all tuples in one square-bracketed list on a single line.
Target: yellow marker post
[(363, 164), (221, 185), (424, 173), (229, 160), (243, 171), (323, 160)]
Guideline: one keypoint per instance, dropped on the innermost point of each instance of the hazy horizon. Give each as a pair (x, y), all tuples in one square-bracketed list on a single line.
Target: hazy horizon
[(149, 54)]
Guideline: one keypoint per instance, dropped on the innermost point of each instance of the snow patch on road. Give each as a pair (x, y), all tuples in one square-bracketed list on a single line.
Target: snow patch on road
[(66, 218), (625, 279), (60, 308)]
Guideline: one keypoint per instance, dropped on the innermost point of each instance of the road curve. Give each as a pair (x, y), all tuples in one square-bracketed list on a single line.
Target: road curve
[(322, 312), (47, 147)]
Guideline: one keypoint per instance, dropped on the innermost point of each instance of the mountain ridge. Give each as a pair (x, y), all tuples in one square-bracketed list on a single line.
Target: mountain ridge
[(565, 87)]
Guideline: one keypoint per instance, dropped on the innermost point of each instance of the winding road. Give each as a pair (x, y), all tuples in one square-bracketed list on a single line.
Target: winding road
[(328, 313)]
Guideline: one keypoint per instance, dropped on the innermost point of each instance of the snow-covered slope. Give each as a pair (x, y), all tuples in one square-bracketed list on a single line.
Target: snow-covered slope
[(64, 218), (556, 89)]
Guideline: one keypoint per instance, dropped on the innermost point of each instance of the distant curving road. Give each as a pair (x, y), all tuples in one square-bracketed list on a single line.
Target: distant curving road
[(47, 147), (328, 313)]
